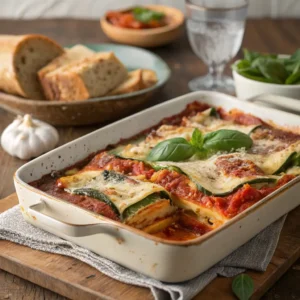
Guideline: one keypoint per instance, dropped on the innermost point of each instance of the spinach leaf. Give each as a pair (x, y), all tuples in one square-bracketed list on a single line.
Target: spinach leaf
[(226, 140), (243, 286), (146, 15), (176, 149), (271, 69), (250, 55), (296, 55), (242, 64), (248, 74), (293, 78)]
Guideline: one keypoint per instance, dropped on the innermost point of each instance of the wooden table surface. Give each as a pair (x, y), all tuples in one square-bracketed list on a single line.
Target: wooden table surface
[(278, 36)]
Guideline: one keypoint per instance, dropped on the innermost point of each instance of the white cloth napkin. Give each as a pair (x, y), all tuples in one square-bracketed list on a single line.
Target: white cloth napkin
[(255, 254)]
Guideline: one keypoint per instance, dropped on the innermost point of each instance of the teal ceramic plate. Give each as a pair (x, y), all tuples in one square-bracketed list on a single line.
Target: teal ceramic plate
[(134, 58)]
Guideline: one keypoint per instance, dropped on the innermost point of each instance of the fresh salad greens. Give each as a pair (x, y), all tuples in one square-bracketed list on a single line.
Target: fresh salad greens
[(243, 286), (179, 149), (269, 67), (146, 15)]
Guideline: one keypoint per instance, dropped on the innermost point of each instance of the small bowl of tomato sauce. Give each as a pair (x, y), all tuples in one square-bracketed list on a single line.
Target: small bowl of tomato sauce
[(146, 26)]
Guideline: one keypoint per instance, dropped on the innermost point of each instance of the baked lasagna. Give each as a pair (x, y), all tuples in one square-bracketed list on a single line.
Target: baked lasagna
[(184, 177)]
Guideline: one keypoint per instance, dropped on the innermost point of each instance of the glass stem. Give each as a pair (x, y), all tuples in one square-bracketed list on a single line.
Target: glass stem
[(216, 73)]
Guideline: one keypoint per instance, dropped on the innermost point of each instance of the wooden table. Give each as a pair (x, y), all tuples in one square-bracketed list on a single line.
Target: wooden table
[(280, 36)]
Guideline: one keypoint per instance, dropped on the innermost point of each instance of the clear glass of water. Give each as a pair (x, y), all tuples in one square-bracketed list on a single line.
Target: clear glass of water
[(215, 31)]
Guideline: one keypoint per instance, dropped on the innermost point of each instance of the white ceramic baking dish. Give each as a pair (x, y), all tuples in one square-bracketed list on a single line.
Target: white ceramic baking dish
[(160, 259)]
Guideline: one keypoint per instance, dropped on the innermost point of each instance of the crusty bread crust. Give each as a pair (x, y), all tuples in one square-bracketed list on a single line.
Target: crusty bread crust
[(91, 77), (149, 78), (76, 53), (134, 82), (20, 59)]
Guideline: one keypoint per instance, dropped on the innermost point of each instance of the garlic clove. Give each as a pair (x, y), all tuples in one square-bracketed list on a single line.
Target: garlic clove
[(26, 137)]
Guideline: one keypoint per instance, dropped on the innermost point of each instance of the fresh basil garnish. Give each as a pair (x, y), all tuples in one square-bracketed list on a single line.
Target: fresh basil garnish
[(179, 149), (269, 68), (146, 15), (197, 138), (243, 286), (175, 149), (226, 140)]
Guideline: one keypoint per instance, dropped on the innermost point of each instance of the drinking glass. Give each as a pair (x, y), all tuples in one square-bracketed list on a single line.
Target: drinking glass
[(215, 30)]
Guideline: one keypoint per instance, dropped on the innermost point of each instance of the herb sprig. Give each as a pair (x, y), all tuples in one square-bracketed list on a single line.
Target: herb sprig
[(146, 15), (269, 67), (179, 149)]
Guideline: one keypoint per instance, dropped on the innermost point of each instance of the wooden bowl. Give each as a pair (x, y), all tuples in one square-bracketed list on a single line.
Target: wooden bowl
[(147, 37), (96, 110), (73, 113)]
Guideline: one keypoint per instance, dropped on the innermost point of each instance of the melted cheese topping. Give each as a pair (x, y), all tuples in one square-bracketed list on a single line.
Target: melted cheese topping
[(271, 162), (207, 175), (203, 121), (206, 122), (123, 193)]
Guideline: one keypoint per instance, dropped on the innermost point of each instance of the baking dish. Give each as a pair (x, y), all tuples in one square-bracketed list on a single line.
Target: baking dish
[(163, 260)]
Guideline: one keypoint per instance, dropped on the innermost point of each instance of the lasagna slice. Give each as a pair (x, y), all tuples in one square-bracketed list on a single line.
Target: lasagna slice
[(209, 120), (216, 180), (139, 204)]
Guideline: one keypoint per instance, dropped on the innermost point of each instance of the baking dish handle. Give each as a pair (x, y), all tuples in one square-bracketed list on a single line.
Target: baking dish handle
[(76, 230)]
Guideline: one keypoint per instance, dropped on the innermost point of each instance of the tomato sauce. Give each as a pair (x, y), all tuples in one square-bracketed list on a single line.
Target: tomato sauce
[(177, 184), (128, 20)]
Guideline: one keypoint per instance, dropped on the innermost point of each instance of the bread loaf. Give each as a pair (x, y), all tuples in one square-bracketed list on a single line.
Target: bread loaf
[(149, 78), (134, 82), (73, 54), (91, 77), (20, 59)]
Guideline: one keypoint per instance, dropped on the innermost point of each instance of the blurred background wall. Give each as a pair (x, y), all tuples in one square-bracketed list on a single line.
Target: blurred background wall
[(93, 9)]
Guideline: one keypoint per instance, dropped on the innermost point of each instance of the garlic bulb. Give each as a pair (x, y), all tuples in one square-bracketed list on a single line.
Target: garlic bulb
[(26, 137)]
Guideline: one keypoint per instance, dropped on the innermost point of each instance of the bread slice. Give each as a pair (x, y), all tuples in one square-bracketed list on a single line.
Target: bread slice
[(73, 54), (91, 77), (134, 82), (20, 59), (149, 78)]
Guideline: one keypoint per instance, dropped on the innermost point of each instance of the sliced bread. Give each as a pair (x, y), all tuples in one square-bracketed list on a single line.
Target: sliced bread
[(134, 82), (20, 59), (73, 54), (149, 78), (91, 77)]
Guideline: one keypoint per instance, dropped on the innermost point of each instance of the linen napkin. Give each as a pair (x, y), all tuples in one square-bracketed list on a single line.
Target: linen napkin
[(255, 254)]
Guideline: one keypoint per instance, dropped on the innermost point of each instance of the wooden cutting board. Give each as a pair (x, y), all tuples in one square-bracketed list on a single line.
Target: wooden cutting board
[(77, 280)]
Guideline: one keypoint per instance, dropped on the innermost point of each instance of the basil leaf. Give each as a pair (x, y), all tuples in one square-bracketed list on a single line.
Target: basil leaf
[(197, 139), (226, 140), (176, 149), (243, 286), (271, 69), (146, 15), (293, 78)]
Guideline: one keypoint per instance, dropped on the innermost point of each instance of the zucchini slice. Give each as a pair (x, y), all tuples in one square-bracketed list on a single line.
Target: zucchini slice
[(210, 180), (97, 195), (124, 194)]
